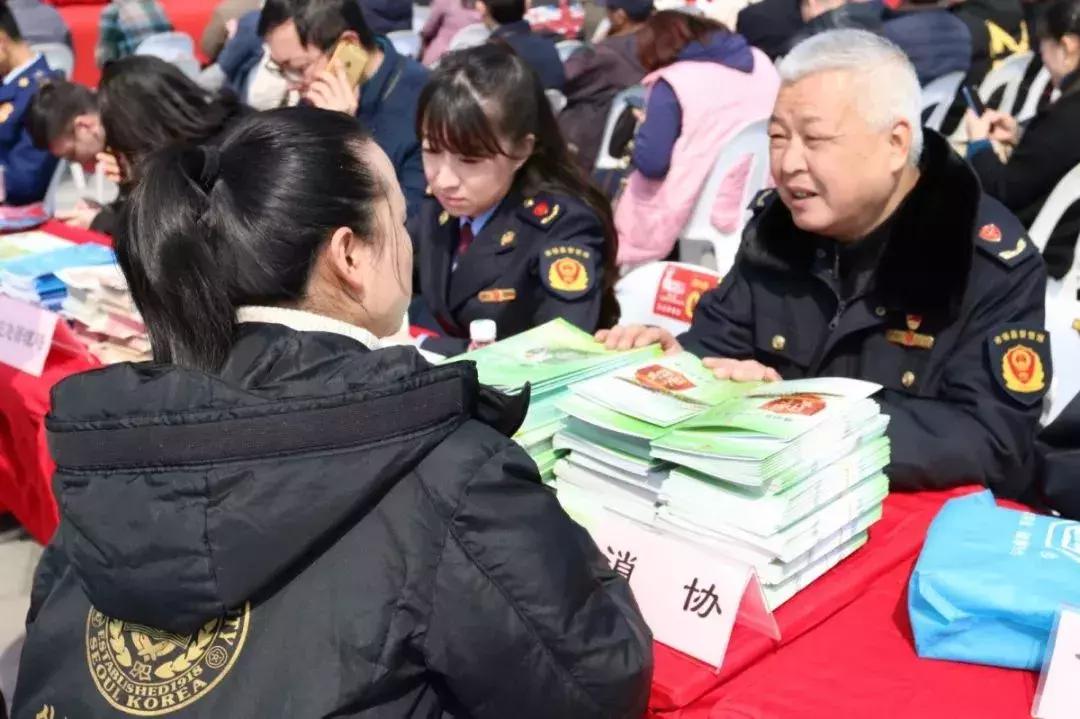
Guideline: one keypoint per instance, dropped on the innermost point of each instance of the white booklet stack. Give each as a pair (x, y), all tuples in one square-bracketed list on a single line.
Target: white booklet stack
[(785, 476)]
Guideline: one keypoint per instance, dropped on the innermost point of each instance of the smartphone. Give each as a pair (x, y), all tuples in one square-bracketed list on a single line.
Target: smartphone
[(353, 59), (971, 97)]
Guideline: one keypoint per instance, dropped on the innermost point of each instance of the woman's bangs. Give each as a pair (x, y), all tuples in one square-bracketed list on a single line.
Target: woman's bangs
[(455, 122)]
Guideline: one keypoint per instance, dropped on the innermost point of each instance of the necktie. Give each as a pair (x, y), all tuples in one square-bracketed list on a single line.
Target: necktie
[(465, 238)]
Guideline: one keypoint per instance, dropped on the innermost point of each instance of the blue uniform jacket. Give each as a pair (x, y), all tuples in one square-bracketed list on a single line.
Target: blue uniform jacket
[(388, 102), (27, 170), (537, 51), (950, 323), (538, 258)]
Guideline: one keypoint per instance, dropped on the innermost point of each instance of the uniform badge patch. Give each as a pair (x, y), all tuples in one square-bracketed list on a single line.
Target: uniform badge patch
[(567, 274), (507, 239), (148, 672), (1020, 360), (444, 217), (540, 212), (5, 111), (990, 233)]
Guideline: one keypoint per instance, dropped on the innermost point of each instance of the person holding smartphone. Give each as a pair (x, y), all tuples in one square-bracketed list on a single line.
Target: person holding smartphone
[(381, 91), (1048, 148)]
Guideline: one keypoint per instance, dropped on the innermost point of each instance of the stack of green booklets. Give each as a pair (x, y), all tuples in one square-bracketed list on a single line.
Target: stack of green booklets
[(784, 476), (548, 358)]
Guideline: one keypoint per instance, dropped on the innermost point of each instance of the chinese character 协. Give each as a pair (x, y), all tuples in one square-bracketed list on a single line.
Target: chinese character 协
[(703, 602)]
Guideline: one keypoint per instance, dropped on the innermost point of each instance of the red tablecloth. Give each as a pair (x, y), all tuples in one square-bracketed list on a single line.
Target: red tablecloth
[(188, 16), (846, 649), (26, 468)]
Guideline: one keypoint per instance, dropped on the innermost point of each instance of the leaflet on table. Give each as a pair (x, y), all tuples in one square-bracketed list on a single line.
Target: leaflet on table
[(29, 243), (801, 536), (777, 594), (773, 570), (610, 450), (770, 464), (652, 481), (541, 433), (556, 352), (545, 461), (662, 390), (603, 418), (580, 490), (786, 410), (765, 513)]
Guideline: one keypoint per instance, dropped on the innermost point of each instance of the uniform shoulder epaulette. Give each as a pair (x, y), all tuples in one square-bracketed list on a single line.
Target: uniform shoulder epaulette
[(541, 211), (1009, 250)]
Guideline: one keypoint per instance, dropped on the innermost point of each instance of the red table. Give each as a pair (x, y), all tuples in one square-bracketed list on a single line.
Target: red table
[(846, 649), (26, 468)]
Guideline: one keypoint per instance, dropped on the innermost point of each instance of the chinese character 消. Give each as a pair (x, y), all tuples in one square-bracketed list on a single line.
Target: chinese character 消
[(702, 602), (623, 563)]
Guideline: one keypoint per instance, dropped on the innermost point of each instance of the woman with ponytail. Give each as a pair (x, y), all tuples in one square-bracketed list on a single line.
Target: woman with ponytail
[(279, 516), (511, 230)]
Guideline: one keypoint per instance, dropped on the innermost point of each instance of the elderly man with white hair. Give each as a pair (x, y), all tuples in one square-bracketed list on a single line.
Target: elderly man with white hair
[(878, 257)]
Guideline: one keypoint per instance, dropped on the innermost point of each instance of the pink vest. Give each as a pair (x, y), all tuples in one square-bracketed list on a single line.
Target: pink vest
[(716, 103)]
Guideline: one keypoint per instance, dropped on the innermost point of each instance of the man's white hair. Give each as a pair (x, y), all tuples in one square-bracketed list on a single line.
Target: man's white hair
[(886, 86)]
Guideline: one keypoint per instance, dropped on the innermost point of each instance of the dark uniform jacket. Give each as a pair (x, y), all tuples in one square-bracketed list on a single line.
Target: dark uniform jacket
[(1048, 149), (536, 259), (943, 306), (538, 52), (27, 170), (319, 531)]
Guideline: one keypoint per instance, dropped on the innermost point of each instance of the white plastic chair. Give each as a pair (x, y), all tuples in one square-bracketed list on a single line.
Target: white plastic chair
[(566, 48), (640, 289), (1062, 305), (701, 242), (1035, 93), (470, 36), (1009, 75), (939, 95), (604, 159), (59, 57), (406, 42), (1057, 202), (175, 48)]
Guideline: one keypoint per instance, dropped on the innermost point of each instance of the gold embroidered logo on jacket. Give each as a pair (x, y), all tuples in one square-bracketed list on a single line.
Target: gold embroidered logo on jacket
[(148, 672)]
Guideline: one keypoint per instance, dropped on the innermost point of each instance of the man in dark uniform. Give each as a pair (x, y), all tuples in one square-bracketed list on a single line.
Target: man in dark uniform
[(27, 170), (506, 18), (530, 260), (878, 261)]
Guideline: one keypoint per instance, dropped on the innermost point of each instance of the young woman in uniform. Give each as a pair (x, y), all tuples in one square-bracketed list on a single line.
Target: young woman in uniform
[(511, 231)]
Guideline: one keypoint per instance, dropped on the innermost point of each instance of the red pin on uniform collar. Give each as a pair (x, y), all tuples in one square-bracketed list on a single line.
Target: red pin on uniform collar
[(540, 209)]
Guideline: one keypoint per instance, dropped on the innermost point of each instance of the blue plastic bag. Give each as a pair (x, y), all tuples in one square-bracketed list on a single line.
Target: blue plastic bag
[(990, 582)]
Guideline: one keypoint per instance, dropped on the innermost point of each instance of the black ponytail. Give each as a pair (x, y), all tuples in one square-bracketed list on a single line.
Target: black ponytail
[(212, 228), (452, 115)]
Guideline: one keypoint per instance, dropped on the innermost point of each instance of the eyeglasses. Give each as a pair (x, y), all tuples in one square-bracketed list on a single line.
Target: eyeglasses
[(289, 74)]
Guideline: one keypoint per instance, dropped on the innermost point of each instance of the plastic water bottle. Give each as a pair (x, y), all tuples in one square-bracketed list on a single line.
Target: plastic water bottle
[(481, 333)]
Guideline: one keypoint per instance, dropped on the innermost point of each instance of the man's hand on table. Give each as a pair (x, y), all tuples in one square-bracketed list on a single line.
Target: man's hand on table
[(628, 337)]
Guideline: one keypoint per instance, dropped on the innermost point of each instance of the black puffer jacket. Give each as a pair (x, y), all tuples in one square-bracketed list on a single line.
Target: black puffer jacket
[(318, 531)]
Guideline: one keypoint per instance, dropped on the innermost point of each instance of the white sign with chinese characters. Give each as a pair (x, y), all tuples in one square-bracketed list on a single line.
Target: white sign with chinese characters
[(1057, 696), (689, 597), (26, 334)]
